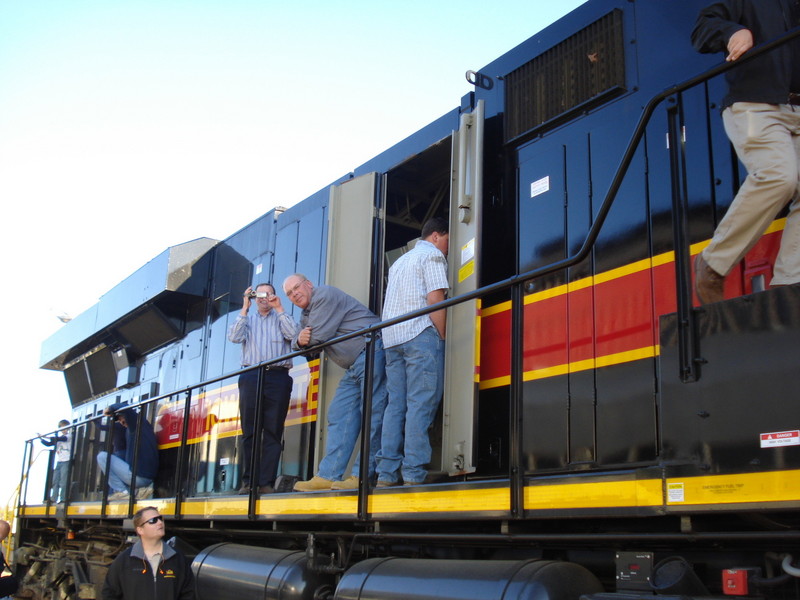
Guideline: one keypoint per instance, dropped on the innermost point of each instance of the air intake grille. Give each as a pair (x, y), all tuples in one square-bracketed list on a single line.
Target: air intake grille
[(582, 69)]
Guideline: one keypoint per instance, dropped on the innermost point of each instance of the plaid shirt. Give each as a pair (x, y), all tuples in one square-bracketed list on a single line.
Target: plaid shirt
[(412, 277)]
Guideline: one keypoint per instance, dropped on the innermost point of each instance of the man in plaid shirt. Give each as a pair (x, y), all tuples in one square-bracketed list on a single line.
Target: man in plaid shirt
[(414, 357)]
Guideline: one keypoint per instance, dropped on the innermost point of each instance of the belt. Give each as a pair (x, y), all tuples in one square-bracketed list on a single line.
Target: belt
[(793, 99), (276, 368)]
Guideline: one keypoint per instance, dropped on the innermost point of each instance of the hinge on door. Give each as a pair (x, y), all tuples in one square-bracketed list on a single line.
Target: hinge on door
[(377, 213)]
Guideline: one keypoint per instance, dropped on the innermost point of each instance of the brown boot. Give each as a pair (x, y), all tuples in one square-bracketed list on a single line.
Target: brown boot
[(708, 284)]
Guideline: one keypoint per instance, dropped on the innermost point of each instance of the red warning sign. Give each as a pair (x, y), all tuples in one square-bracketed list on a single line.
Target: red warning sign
[(780, 438)]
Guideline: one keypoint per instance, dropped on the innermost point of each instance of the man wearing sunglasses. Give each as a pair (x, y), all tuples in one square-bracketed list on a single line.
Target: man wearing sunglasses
[(150, 569)]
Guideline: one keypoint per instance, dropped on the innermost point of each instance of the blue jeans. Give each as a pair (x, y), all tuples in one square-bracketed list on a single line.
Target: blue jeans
[(344, 417), (414, 382), (58, 489), (119, 476)]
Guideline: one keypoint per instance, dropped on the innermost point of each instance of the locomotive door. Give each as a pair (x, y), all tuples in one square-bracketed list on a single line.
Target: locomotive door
[(462, 342), (350, 223), (348, 266)]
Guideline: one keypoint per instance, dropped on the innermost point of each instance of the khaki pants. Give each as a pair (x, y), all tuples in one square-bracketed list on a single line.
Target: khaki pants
[(767, 140)]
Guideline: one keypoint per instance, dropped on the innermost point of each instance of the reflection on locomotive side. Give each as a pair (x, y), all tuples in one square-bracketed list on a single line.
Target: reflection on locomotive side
[(214, 428)]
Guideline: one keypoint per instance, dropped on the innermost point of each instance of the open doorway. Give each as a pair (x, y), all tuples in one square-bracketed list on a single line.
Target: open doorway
[(414, 192)]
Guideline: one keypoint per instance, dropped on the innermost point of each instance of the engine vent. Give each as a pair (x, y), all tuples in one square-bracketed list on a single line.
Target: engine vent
[(579, 72)]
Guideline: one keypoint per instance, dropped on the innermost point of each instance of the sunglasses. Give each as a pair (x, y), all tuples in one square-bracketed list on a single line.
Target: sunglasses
[(154, 520)]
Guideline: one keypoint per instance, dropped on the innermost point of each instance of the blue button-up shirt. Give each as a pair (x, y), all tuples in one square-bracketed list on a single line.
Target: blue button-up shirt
[(264, 337)]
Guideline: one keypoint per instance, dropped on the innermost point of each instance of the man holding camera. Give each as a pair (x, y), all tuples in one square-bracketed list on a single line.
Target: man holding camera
[(264, 335)]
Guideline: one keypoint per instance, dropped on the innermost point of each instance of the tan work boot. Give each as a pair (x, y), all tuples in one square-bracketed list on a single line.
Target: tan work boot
[(312, 485), (708, 284), (143, 493), (350, 483)]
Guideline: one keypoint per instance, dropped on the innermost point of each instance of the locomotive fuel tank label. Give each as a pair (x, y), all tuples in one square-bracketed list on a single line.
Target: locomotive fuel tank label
[(780, 438), (676, 492)]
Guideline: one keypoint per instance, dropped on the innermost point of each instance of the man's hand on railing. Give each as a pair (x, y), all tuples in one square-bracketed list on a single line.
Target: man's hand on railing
[(740, 42)]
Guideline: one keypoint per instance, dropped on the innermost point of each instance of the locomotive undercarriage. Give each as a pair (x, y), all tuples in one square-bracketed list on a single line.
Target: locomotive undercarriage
[(68, 559)]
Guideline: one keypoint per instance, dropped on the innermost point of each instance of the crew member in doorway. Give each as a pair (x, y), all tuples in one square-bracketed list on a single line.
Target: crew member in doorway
[(327, 313), (761, 114), (414, 357), (264, 335)]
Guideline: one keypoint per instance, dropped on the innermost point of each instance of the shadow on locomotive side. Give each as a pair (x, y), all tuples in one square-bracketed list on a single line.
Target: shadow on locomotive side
[(601, 434)]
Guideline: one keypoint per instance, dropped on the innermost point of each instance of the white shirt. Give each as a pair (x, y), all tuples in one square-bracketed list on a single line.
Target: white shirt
[(420, 271)]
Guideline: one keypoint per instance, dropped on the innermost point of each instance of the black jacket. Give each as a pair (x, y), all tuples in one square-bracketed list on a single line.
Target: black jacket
[(770, 78), (130, 576)]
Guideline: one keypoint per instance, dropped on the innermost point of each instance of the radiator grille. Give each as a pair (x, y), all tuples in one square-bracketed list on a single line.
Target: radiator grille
[(583, 68)]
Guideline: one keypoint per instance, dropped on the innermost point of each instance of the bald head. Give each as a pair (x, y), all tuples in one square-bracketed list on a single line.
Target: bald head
[(298, 289), (5, 529)]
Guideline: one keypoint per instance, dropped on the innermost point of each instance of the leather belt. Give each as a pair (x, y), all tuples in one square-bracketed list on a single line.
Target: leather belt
[(793, 99), (276, 368)]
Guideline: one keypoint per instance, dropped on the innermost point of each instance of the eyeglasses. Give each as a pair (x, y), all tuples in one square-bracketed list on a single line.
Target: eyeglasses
[(295, 287), (154, 520)]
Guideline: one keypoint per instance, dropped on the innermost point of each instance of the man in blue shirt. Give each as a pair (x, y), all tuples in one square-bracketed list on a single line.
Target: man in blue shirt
[(264, 336)]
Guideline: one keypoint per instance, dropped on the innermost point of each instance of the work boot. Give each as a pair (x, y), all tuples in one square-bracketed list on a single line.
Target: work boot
[(314, 484), (383, 484), (265, 489), (350, 483), (143, 493), (708, 284)]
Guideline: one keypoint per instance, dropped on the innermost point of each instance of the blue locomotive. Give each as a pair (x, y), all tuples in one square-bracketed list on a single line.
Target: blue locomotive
[(601, 435)]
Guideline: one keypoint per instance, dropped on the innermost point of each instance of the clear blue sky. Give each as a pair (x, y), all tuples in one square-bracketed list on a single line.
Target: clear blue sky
[(133, 125)]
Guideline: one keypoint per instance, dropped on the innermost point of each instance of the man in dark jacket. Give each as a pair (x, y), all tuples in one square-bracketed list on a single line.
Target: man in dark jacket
[(150, 569), (761, 113), (119, 476)]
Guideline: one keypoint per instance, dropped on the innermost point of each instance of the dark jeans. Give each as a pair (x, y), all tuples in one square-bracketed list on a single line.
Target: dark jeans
[(275, 394)]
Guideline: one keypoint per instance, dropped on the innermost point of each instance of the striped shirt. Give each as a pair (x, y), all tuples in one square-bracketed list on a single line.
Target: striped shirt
[(264, 337), (420, 271)]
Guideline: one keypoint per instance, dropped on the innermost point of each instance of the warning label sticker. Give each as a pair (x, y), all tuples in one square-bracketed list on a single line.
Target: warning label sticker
[(676, 492), (780, 438)]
